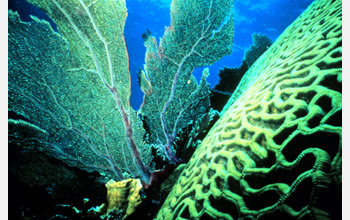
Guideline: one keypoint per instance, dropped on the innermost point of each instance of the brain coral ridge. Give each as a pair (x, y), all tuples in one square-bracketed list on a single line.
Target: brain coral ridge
[(276, 150)]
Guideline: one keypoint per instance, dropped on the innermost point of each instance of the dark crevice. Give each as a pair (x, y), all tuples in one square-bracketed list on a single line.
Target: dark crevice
[(335, 119), (284, 134), (219, 182), (185, 213), (339, 44), (331, 14), (325, 45), (281, 175), (205, 189), (285, 96), (306, 96), (331, 82), (330, 201), (324, 140), (261, 140), (221, 160), (210, 173), (338, 30), (238, 165), (178, 209), (277, 214), (272, 109), (287, 107), (336, 54), (199, 204), (274, 123), (223, 205), (233, 185), (308, 49), (326, 66), (245, 134), (314, 121), (325, 103), (300, 113), (322, 21), (326, 32), (205, 216), (309, 57), (301, 195), (268, 161), (308, 82), (261, 200)]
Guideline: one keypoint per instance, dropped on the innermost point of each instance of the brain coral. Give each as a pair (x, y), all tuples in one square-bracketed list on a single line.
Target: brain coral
[(276, 151)]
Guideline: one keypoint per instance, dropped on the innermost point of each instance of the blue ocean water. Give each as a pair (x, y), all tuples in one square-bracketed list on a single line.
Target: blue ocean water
[(269, 17)]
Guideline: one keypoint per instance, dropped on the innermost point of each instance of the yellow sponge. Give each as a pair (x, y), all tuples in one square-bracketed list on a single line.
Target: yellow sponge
[(124, 194), (276, 151)]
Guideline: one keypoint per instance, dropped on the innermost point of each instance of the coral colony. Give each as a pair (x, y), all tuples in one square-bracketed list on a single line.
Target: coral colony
[(275, 153)]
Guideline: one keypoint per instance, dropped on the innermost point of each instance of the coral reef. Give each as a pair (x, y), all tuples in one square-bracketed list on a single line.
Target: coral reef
[(276, 151)]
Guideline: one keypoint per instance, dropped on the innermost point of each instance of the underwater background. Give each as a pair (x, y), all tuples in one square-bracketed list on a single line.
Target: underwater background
[(268, 146)]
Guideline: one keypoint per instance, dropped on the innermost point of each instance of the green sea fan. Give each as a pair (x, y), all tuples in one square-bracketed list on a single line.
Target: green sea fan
[(73, 86)]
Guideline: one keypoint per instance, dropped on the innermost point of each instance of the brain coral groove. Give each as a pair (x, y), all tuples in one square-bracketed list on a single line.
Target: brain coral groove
[(276, 151)]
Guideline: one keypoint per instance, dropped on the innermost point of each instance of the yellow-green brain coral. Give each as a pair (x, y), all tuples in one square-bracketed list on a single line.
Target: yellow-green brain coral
[(276, 151)]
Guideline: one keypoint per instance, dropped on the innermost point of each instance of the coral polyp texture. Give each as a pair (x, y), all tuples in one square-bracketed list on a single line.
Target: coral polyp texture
[(275, 153)]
